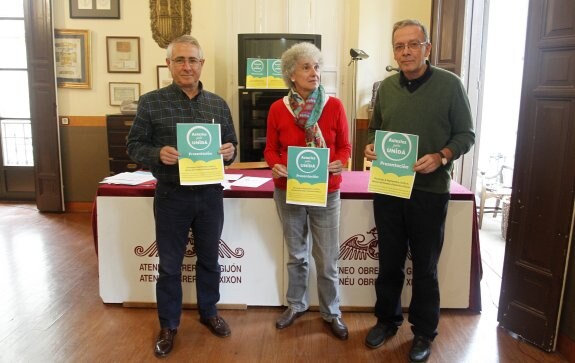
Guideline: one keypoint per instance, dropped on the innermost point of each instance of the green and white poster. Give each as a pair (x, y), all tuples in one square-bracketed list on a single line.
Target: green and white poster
[(199, 161), (307, 176), (275, 79), (392, 172), (257, 73)]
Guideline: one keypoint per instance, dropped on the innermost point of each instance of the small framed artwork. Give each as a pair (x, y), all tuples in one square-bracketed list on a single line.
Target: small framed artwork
[(123, 91), (95, 9), (164, 76), (123, 54), (72, 53)]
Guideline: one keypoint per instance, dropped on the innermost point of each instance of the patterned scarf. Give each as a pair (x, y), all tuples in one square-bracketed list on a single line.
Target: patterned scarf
[(307, 112)]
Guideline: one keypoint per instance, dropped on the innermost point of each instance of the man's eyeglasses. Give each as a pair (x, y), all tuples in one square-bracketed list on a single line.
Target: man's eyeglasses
[(194, 62), (399, 47)]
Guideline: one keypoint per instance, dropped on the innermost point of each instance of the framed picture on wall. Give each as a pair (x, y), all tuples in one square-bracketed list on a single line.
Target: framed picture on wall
[(72, 53), (123, 54), (163, 76), (123, 91), (95, 9)]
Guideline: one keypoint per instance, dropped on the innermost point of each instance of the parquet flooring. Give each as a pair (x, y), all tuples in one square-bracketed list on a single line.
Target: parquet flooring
[(51, 311)]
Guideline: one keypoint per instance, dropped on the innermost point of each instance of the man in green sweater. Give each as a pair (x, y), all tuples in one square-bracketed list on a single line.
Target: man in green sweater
[(431, 103)]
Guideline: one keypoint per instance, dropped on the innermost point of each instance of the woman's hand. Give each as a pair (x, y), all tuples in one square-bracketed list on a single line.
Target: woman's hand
[(279, 171), (335, 167)]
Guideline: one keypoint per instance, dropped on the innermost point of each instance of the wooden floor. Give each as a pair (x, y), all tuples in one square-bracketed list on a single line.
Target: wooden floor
[(50, 311)]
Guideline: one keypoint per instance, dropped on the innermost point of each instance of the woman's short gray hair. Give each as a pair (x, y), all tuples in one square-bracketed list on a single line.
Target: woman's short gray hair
[(296, 52)]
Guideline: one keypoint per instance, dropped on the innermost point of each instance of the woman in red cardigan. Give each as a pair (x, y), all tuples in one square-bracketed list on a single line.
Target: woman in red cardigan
[(308, 117)]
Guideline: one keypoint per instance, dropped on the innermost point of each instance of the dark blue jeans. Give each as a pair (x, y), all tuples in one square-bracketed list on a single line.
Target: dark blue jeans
[(417, 223), (176, 210)]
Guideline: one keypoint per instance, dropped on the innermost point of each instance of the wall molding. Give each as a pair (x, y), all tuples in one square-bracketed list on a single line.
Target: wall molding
[(86, 121), (75, 207)]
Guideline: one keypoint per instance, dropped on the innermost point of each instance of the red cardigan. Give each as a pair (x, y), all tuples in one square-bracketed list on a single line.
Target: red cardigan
[(283, 132)]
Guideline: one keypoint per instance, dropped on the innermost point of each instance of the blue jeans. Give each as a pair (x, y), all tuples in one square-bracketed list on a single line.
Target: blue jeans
[(176, 210), (417, 223), (324, 225)]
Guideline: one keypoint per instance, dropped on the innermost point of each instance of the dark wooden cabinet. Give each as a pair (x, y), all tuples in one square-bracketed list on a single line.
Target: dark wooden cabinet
[(255, 103), (117, 129), (254, 106)]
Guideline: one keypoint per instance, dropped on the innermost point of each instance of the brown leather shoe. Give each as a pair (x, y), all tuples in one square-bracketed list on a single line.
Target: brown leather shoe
[(217, 325), (338, 328), (165, 342), (287, 318)]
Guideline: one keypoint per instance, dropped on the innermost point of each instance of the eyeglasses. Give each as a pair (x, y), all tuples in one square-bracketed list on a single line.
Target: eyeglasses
[(399, 47), (194, 62)]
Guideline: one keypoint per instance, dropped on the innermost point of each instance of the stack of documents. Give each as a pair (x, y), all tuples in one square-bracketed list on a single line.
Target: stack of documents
[(127, 178), (139, 177)]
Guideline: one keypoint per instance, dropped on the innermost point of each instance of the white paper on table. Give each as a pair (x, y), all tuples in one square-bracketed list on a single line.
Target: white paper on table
[(227, 185), (250, 181), (129, 178), (232, 176)]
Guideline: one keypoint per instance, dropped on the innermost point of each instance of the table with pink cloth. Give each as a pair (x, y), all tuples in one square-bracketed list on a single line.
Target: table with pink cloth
[(354, 186)]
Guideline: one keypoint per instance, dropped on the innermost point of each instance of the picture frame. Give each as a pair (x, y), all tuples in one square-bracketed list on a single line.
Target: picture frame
[(123, 91), (163, 76), (123, 54), (95, 9), (72, 58)]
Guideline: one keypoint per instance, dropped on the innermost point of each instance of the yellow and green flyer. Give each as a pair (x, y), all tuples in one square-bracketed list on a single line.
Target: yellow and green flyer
[(392, 172), (199, 161), (275, 79), (257, 73), (307, 176)]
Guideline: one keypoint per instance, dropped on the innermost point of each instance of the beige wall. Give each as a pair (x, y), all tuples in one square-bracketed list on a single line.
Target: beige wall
[(343, 24), (364, 24), (134, 21), (374, 37)]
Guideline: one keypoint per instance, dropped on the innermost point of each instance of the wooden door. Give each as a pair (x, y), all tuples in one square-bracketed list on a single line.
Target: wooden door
[(446, 33), (451, 39), (541, 213), (43, 116)]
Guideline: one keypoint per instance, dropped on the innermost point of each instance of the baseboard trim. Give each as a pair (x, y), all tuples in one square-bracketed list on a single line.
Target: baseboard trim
[(79, 207), (137, 304)]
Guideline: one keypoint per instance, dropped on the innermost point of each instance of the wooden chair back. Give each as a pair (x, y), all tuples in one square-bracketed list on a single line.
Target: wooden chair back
[(249, 165)]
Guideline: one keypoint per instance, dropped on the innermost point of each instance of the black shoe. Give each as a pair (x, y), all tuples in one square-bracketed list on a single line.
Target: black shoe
[(165, 342), (287, 318), (379, 334), (217, 325), (420, 350), (338, 328)]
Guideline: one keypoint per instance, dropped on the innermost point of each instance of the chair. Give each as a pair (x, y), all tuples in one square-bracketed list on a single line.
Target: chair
[(347, 165), (496, 186), (249, 165), (366, 164)]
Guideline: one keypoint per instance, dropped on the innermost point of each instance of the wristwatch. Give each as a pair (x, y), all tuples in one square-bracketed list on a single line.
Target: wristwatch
[(443, 158)]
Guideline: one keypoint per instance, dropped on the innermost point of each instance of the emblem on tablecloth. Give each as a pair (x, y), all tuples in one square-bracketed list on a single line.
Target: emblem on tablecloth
[(357, 248), (224, 250)]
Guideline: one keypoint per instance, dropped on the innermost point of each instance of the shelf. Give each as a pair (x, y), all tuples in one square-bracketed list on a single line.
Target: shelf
[(254, 105)]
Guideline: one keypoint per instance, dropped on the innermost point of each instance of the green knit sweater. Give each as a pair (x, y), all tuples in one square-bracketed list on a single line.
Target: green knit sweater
[(438, 111)]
